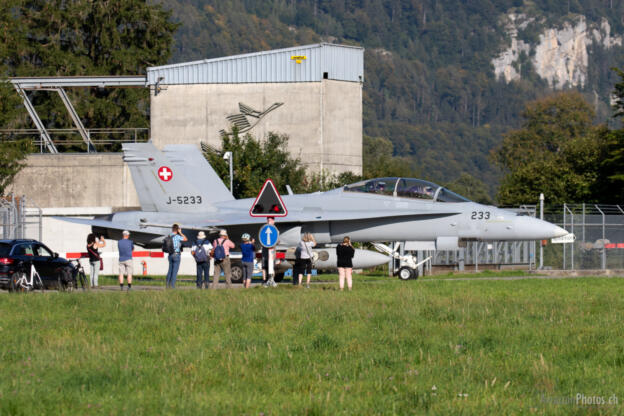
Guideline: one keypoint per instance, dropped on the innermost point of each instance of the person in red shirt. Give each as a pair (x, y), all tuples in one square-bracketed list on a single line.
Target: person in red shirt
[(221, 254)]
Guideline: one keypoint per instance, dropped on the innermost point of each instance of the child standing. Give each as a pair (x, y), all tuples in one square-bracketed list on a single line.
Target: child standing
[(248, 250)]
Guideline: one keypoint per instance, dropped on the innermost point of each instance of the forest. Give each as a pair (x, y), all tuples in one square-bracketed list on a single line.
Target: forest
[(429, 86), (429, 83)]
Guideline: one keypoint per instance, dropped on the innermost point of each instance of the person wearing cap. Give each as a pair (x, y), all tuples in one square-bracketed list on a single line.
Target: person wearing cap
[(249, 250), (174, 258), (222, 264), (201, 253), (125, 247)]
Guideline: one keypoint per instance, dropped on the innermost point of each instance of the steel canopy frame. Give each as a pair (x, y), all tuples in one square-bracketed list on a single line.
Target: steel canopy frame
[(21, 84)]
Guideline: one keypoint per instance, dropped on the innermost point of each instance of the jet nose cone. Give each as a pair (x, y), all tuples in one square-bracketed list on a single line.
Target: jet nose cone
[(558, 232), (527, 228)]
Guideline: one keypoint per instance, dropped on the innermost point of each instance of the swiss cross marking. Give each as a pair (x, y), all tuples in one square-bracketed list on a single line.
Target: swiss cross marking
[(165, 174)]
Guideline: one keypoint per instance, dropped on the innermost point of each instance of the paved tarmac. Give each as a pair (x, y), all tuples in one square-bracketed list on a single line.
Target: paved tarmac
[(257, 283), (458, 279)]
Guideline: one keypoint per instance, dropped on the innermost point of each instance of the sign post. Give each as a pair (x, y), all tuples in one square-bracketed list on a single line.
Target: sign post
[(269, 204), (268, 235)]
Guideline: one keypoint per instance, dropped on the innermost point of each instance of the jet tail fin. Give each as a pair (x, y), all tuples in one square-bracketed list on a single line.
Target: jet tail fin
[(190, 161), (160, 184)]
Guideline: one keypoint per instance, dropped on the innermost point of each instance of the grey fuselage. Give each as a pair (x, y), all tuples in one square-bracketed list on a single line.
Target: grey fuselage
[(363, 217)]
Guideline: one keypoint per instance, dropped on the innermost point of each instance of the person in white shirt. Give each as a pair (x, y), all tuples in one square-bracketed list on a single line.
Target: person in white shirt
[(304, 255)]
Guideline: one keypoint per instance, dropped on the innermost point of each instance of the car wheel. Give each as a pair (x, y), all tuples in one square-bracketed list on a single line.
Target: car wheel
[(237, 273), (278, 277), (406, 273), (63, 285)]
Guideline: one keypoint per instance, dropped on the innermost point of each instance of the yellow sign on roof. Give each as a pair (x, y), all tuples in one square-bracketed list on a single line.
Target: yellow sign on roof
[(298, 58)]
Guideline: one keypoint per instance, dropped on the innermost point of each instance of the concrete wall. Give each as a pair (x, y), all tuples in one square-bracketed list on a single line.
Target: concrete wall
[(323, 119), (76, 180)]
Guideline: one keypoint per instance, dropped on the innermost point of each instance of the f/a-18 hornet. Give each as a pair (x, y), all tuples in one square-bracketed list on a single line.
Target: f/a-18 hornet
[(178, 185)]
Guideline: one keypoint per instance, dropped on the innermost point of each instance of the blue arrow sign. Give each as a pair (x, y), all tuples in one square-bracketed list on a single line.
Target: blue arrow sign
[(268, 235)]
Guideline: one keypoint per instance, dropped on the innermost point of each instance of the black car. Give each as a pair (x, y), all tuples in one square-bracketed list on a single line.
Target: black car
[(19, 254)]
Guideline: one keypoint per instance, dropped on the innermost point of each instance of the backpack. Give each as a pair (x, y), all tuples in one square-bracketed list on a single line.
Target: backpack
[(219, 251), (200, 252), (167, 245)]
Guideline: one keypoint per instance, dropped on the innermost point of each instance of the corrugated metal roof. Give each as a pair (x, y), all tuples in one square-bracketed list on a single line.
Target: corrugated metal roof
[(339, 62)]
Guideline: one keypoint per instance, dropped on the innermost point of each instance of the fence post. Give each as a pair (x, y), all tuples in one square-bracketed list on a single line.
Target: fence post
[(604, 249), (583, 222), (564, 246), (541, 260)]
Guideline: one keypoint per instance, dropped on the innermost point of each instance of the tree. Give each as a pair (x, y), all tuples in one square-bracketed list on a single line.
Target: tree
[(12, 157), (255, 161), (377, 160), (472, 188), (612, 166), (557, 151), (85, 37)]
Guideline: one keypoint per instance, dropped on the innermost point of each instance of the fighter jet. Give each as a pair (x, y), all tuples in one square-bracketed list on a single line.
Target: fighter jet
[(178, 185)]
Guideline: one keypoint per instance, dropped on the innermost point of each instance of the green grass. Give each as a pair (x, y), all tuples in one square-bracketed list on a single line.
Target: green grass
[(488, 347), (485, 273), (149, 280)]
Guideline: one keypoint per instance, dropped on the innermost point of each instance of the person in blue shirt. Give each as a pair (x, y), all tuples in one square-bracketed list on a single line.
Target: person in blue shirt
[(174, 258), (249, 251), (125, 246)]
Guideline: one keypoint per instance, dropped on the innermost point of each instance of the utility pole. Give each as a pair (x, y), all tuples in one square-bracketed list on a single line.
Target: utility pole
[(230, 158)]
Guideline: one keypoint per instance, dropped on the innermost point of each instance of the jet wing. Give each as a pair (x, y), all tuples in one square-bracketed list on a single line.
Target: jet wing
[(225, 219), (101, 223)]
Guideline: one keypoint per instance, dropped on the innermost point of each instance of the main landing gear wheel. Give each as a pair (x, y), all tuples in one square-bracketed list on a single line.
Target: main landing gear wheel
[(407, 273)]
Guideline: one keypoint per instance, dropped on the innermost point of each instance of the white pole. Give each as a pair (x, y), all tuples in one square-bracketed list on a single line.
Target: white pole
[(230, 158), (541, 264), (231, 175)]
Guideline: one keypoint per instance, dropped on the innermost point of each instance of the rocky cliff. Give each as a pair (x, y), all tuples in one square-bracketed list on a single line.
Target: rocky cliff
[(561, 56)]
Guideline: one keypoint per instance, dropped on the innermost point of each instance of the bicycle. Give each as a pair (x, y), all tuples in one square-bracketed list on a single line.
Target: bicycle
[(23, 281), (75, 277)]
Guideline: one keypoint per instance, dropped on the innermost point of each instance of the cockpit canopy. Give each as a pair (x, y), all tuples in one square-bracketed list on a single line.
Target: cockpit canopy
[(406, 188)]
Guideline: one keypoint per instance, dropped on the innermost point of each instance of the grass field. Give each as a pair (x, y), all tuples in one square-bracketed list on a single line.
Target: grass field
[(419, 347)]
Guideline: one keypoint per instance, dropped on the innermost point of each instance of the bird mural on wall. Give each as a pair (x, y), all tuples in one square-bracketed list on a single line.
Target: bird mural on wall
[(248, 117)]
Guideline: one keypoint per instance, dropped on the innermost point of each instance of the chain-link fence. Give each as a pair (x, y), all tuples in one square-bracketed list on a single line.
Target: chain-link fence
[(599, 231), (19, 219), (598, 244)]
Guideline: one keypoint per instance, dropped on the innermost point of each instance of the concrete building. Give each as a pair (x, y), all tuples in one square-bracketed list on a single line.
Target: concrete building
[(311, 93)]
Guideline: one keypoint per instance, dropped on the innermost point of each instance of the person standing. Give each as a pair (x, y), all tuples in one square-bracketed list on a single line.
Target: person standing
[(345, 253), (200, 252), (305, 257), (125, 247), (174, 258), (93, 246), (249, 250), (221, 249)]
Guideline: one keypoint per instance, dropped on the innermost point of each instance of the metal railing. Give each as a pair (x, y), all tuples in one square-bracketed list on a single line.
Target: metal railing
[(103, 139)]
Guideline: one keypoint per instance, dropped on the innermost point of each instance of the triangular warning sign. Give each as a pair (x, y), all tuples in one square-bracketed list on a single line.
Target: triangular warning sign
[(268, 203)]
